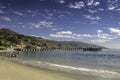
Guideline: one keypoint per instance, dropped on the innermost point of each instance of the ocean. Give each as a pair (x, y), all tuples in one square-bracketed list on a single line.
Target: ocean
[(103, 64)]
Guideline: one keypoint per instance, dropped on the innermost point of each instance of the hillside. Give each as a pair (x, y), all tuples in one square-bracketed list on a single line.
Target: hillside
[(9, 37)]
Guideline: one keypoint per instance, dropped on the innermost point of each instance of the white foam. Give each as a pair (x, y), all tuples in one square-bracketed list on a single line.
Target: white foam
[(98, 72)]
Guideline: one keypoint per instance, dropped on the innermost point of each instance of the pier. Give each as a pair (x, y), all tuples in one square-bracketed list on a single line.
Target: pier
[(64, 49)]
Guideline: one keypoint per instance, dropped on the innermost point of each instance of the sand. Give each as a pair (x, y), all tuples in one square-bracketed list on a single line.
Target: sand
[(13, 71)]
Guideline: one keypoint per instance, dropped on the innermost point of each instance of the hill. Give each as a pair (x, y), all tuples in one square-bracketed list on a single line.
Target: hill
[(9, 37)]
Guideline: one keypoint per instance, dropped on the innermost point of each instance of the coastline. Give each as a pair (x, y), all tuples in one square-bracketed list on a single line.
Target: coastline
[(10, 70), (18, 69), (15, 70)]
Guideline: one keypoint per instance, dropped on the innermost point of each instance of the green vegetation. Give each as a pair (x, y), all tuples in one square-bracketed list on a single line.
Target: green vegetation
[(9, 37)]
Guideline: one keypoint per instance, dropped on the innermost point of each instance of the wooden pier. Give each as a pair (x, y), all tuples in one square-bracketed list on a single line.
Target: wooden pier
[(64, 49)]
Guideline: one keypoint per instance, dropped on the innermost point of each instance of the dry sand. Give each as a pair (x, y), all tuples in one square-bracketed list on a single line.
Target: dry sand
[(13, 71)]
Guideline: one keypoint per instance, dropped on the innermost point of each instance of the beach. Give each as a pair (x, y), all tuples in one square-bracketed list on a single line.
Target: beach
[(59, 65), (13, 71)]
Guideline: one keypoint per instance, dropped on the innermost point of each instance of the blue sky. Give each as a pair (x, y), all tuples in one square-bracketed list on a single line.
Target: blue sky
[(91, 21)]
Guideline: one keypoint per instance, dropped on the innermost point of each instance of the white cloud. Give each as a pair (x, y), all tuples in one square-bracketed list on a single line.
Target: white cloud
[(93, 3), (61, 36), (115, 30), (91, 17), (104, 36), (113, 4), (6, 18), (39, 36), (101, 9), (96, 3), (118, 9), (111, 7), (90, 2), (44, 37), (54, 29), (44, 24), (100, 41), (18, 13), (99, 31), (77, 5), (92, 11), (87, 35), (64, 32), (70, 35), (29, 11), (93, 22), (61, 1), (34, 35), (99, 37)]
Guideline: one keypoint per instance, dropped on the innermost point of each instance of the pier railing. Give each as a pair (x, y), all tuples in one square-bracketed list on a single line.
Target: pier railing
[(65, 49)]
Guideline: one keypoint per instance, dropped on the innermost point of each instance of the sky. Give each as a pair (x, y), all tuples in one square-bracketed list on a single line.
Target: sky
[(90, 21)]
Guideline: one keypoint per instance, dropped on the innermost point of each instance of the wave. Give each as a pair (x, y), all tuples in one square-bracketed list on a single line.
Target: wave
[(98, 72)]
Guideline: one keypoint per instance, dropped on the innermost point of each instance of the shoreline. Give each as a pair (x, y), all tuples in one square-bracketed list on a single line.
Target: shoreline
[(13, 70), (37, 70), (48, 74)]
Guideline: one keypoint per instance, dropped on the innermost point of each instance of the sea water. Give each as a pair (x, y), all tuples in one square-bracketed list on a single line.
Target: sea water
[(104, 63)]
